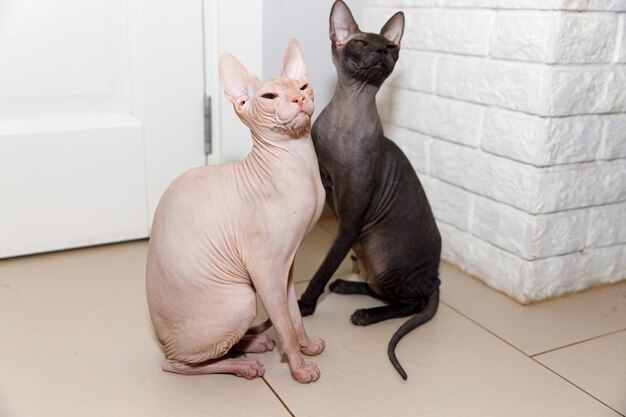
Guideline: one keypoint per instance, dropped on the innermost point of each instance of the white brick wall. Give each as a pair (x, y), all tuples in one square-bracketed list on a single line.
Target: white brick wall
[(514, 115)]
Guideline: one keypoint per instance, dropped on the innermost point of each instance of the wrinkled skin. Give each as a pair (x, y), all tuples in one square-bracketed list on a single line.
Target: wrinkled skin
[(222, 234), (383, 212)]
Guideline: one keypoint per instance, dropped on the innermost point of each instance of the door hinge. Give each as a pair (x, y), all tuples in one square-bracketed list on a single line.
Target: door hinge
[(208, 134)]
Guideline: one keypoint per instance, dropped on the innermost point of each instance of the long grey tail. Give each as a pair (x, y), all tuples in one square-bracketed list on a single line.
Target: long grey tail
[(417, 320)]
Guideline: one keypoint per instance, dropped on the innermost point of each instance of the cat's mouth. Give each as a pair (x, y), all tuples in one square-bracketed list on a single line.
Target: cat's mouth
[(300, 120)]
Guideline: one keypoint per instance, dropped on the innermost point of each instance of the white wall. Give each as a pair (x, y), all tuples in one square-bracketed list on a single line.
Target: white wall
[(257, 35), (306, 21), (514, 115)]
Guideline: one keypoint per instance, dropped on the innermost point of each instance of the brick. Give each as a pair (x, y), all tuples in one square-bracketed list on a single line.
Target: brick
[(607, 225), (621, 51), (535, 190), (452, 31), (582, 185), (596, 91), (523, 36), (514, 135), (450, 204), (496, 267), (531, 281), (585, 38), (414, 145), (469, 3), (614, 141), (572, 5), (583, 5), (575, 272), (555, 38), (541, 141), (556, 233), (398, 3), (415, 71), (436, 116), (572, 139), (501, 225), (510, 85), (526, 235), (533, 88), (501, 179)]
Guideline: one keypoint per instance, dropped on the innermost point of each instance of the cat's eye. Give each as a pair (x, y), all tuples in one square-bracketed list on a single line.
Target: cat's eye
[(360, 42), (392, 46), (270, 96), (304, 87)]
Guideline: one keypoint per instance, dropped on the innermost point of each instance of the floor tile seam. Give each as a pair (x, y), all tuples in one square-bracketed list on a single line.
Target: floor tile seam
[(486, 329), (278, 397), (589, 339), (532, 358), (578, 387)]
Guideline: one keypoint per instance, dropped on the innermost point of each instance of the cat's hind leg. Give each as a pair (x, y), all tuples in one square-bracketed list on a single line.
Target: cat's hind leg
[(367, 316), (343, 286), (248, 368)]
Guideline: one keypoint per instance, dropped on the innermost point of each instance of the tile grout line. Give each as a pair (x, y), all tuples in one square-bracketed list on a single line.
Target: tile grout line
[(532, 358), (576, 343), (278, 397), (570, 382)]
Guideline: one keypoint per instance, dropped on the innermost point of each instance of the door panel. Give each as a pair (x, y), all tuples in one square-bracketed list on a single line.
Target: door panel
[(100, 108), (75, 187)]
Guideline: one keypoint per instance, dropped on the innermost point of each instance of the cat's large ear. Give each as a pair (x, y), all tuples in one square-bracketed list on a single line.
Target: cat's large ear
[(239, 85), (293, 62), (342, 25), (394, 28)]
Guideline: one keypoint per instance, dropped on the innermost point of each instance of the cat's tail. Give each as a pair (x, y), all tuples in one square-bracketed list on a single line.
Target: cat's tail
[(260, 328), (417, 320)]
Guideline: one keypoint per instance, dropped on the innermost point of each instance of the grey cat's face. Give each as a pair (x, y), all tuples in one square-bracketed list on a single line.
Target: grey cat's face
[(368, 58), (364, 57)]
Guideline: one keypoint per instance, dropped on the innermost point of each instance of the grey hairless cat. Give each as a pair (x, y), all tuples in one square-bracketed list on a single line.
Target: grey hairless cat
[(383, 212)]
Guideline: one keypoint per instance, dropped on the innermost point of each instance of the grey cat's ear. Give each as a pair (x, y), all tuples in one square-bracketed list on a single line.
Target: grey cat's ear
[(239, 85), (293, 62), (394, 28), (342, 25)]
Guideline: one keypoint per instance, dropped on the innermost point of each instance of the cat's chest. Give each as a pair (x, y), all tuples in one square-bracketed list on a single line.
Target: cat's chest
[(344, 136)]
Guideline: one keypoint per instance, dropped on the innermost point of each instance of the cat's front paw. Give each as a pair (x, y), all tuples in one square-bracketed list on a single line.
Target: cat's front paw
[(306, 308), (315, 346), (361, 317), (307, 372)]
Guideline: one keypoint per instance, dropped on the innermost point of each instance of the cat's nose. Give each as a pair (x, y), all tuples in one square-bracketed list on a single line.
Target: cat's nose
[(299, 100)]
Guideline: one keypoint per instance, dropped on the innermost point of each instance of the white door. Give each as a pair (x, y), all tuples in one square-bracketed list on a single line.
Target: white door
[(101, 106)]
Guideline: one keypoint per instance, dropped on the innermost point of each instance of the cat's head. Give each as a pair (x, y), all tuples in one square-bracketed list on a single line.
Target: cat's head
[(280, 106), (364, 57)]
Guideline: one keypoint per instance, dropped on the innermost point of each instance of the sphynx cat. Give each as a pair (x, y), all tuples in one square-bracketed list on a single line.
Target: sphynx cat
[(383, 212), (222, 234)]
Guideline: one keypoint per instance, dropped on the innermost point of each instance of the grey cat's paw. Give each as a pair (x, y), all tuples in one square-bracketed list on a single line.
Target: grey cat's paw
[(306, 308), (361, 317)]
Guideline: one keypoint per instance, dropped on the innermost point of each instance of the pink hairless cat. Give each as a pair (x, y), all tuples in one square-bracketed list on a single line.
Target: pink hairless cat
[(222, 234)]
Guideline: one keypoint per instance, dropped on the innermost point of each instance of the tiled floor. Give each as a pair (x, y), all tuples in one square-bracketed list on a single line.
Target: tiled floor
[(76, 340)]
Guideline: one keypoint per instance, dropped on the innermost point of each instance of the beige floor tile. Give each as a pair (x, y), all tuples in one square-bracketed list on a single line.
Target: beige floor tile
[(539, 327), (597, 366), (455, 368), (76, 340)]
